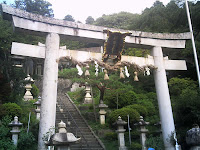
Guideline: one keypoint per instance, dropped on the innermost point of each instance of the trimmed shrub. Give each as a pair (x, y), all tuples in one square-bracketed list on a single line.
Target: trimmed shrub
[(124, 98), (11, 109), (141, 109), (123, 112)]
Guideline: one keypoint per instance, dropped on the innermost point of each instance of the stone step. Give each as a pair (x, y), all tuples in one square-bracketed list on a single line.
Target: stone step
[(85, 134)]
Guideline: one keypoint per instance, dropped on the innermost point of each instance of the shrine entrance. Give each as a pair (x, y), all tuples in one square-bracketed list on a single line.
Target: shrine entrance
[(55, 29)]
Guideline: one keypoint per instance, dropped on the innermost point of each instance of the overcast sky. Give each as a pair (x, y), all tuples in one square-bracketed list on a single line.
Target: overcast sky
[(81, 9)]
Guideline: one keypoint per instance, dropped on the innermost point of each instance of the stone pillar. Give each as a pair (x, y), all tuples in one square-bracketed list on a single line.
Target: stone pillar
[(164, 103), (143, 132), (15, 124), (88, 97), (120, 130), (37, 110), (102, 112), (49, 91)]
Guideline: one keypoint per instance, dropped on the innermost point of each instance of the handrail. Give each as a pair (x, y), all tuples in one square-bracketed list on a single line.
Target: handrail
[(100, 142), (76, 124)]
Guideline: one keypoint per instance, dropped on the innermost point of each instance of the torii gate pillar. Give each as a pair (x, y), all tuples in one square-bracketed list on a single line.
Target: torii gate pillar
[(164, 103), (49, 91)]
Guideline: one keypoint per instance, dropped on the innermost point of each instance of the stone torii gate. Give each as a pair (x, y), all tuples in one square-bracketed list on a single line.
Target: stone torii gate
[(53, 29)]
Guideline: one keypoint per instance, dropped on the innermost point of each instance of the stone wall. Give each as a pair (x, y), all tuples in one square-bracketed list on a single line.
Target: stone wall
[(64, 85)]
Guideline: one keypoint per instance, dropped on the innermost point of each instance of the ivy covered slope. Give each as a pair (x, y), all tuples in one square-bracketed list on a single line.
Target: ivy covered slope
[(131, 98)]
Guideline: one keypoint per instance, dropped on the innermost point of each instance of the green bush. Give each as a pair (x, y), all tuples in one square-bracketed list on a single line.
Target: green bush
[(151, 110), (26, 141), (34, 91), (141, 109), (124, 98), (11, 109), (5, 135), (77, 96), (123, 112), (155, 142), (27, 107), (110, 136), (68, 73), (135, 146)]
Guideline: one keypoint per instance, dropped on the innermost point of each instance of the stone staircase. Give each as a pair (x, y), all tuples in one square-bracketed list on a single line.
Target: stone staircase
[(68, 112)]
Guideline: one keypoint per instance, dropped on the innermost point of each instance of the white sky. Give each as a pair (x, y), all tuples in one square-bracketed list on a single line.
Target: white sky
[(81, 9)]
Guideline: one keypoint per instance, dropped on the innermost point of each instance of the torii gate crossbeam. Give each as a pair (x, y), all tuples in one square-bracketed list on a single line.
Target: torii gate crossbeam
[(54, 29)]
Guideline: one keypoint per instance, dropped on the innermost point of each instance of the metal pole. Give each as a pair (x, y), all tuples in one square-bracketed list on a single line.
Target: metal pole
[(29, 119), (193, 43), (129, 130)]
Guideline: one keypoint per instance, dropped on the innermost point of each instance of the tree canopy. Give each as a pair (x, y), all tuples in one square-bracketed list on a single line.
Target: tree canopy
[(69, 18), (40, 7)]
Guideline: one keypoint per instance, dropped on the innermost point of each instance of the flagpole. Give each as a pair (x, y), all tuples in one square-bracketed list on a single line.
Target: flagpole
[(193, 43)]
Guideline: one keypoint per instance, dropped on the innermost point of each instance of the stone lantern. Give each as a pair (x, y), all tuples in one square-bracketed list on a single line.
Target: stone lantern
[(120, 130), (62, 139), (142, 124), (28, 87), (102, 112), (15, 124), (193, 137), (37, 110), (88, 97)]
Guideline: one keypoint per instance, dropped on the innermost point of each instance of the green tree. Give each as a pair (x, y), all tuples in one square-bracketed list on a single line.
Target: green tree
[(10, 109), (89, 20), (40, 7), (185, 97), (118, 20), (69, 18)]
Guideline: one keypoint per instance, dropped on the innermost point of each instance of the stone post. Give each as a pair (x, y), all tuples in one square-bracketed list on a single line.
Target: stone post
[(120, 130), (15, 124), (142, 131), (37, 110), (49, 91), (102, 112), (28, 87), (88, 97), (164, 103)]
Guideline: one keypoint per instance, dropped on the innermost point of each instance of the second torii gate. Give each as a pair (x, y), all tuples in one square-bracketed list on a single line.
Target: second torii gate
[(51, 52)]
